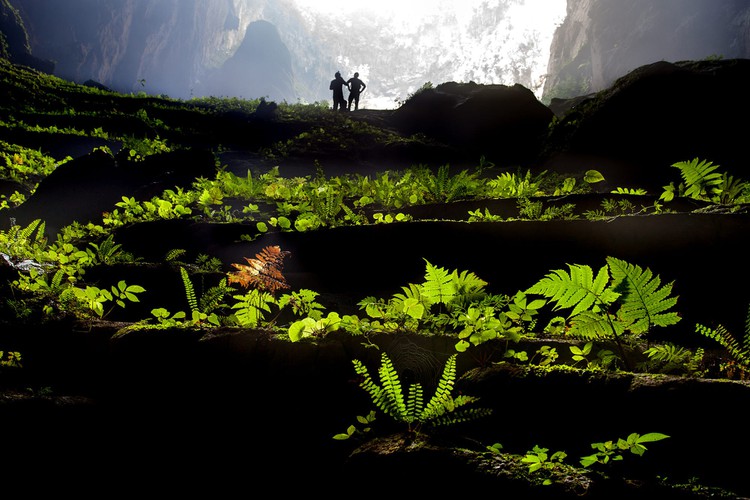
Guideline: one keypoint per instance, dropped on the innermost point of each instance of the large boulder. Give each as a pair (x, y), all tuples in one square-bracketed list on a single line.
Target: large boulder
[(653, 117), (505, 124)]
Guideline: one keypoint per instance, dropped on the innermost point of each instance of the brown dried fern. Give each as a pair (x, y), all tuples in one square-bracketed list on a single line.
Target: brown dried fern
[(264, 272)]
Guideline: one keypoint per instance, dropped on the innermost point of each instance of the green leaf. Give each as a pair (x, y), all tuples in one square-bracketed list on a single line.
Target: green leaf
[(651, 437), (589, 460), (593, 176), (297, 329), (462, 345), (414, 308)]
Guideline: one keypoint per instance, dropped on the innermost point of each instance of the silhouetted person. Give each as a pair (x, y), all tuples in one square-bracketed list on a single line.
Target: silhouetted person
[(337, 85), (356, 86)]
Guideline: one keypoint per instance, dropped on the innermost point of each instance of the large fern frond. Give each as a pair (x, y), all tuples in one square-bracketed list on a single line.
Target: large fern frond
[(701, 178), (412, 291), (645, 304), (469, 287), (578, 290), (589, 325), (438, 286)]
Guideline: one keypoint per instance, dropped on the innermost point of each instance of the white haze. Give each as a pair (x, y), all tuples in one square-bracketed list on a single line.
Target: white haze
[(398, 46)]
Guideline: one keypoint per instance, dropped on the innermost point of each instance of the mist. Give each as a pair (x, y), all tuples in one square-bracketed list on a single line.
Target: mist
[(399, 47), (289, 50)]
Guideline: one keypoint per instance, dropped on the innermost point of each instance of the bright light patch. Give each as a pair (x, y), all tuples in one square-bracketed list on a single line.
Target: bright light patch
[(398, 45), (410, 8)]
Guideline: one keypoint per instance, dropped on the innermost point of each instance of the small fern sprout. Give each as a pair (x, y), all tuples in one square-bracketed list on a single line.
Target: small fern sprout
[(738, 350)]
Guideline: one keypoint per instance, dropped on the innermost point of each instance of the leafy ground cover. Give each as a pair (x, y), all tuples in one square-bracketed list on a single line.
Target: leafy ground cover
[(254, 262)]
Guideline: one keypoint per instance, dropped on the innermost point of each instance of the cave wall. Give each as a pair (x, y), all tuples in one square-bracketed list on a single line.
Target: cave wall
[(602, 40), (173, 47)]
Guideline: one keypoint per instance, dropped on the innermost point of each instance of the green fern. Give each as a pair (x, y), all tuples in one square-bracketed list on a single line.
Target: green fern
[(213, 298), (637, 294), (469, 287), (645, 304), (669, 358), (630, 191), (450, 288), (702, 181), (174, 255), (33, 233), (189, 290), (327, 204), (108, 252), (442, 409), (24, 242), (578, 289), (251, 308), (438, 286), (444, 187), (738, 350), (733, 190), (642, 301), (57, 280)]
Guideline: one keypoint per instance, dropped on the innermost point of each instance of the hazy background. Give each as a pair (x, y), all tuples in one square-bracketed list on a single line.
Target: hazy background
[(398, 46), (288, 50)]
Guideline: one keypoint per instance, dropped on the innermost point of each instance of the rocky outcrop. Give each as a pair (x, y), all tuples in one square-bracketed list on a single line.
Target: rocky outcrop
[(164, 46), (14, 40), (498, 121), (657, 115), (602, 40), (261, 67)]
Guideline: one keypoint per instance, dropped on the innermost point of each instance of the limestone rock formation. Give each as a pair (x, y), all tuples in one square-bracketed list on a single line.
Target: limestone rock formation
[(602, 40)]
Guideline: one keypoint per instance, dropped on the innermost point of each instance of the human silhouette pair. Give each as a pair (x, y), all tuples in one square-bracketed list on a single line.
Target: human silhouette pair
[(355, 87)]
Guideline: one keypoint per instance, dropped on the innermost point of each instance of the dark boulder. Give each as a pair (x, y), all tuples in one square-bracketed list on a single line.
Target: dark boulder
[(655, 116), (505, 124)]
